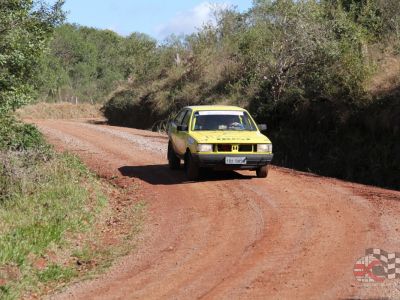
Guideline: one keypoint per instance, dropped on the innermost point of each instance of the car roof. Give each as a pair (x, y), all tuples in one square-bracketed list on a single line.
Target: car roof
[(214, 107)]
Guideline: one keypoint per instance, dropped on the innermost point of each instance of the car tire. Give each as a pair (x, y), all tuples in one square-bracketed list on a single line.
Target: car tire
[(262, 172), (192, 170), (174, 161)]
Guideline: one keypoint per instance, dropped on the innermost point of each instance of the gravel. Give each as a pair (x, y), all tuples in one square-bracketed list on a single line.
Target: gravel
[(143, 143)]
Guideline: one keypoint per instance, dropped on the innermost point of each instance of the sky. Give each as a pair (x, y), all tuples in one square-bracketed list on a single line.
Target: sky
[(157, 18)]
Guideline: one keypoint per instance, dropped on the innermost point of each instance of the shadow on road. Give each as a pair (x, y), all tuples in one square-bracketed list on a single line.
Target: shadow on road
[(97, 122), (162, 175)]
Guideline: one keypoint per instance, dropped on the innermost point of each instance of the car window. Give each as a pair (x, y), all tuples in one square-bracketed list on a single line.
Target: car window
[(186, 119), (222, 120), (179, 117)]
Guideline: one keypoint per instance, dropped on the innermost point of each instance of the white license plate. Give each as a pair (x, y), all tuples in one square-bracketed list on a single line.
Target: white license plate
[(235, 160)]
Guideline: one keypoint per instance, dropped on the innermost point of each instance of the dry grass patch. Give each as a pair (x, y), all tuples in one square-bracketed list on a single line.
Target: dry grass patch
[(387, 77), (62, 110)]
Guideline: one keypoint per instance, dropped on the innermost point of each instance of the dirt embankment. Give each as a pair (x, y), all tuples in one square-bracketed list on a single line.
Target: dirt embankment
[(233, 236)]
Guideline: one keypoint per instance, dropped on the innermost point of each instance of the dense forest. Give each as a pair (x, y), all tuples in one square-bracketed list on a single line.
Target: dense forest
[(324, 75)]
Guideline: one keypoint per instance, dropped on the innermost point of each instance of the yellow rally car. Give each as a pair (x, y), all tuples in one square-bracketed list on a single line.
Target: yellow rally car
[(217, 137)]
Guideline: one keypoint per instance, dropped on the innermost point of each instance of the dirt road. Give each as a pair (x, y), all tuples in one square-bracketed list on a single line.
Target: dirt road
[(233, 236)]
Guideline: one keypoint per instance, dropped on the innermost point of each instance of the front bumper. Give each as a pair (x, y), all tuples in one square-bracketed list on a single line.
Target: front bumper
[(217, 161)]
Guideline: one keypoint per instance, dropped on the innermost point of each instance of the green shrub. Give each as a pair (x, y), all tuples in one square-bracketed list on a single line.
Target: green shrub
[(128, 109), (15, 135)]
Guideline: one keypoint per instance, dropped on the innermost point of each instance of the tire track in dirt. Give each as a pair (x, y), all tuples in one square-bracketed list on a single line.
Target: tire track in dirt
[(232, 236)]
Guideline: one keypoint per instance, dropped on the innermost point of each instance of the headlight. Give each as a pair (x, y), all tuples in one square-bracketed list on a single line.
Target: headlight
[(204, 148), (264, 148)]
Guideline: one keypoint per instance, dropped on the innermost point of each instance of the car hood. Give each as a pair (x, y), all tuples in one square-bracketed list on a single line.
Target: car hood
[(229, 137)]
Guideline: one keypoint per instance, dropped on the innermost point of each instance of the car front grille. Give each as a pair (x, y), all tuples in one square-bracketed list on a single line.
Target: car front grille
[(246, 148), (235, 148)]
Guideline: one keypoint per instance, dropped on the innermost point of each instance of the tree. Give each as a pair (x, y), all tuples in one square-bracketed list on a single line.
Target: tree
[(139, 51), (25, 27)]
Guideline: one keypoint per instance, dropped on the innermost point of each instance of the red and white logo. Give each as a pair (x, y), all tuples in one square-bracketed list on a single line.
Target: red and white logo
[(377, 265), (366, 269)]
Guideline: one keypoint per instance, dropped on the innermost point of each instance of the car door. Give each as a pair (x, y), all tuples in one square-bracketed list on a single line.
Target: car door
[(182, 135), (173, 129)]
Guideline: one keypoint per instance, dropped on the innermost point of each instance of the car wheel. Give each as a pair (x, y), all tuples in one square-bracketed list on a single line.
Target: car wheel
[(174, 161), (191, 168), (262, 172)]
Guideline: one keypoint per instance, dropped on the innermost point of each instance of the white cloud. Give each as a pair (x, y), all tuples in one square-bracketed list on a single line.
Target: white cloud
[(187, 22)]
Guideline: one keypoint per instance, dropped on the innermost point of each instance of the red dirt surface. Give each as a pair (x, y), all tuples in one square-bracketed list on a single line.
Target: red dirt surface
[(233, 236)]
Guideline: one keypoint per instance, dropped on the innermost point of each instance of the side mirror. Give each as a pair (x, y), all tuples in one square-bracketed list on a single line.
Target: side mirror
[(262, 127), (182, 128), (168, 127)]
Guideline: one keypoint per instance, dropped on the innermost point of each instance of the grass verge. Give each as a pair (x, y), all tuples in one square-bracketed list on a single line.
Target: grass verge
[(53, 223)]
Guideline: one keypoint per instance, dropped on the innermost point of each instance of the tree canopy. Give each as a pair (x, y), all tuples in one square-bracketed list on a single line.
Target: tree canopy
[(25, 28)]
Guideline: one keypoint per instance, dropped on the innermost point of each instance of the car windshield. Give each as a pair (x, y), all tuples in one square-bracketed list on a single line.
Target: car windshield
[(222, 120)]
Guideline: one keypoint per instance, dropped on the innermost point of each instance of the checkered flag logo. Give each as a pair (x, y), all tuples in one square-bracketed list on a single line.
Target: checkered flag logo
[(377, 265), (389, 261)]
